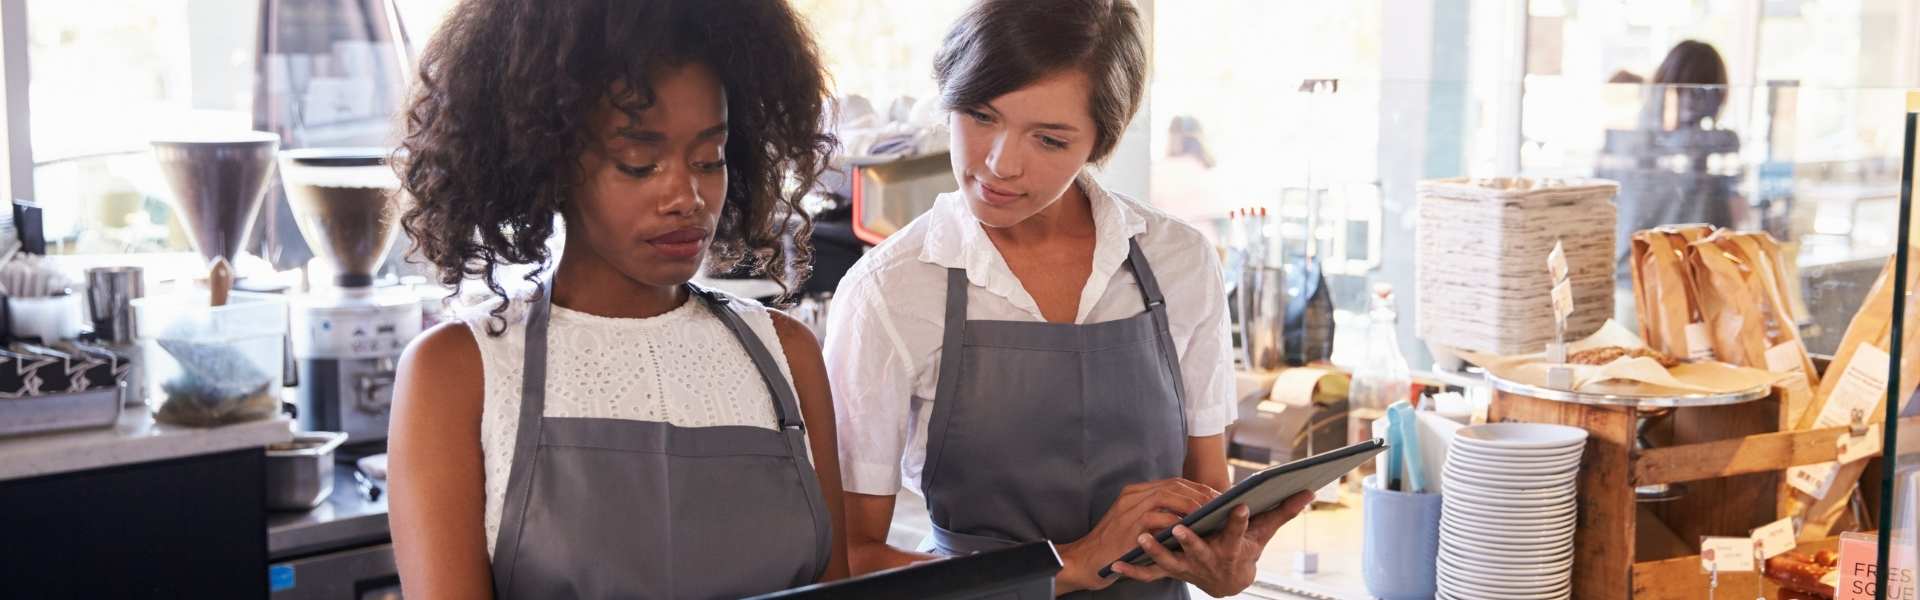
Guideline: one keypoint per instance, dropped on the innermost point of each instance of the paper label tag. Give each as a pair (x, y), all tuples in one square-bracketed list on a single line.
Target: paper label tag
[(1861, 387), (1812, 480), (1562, 301), (1699, 342), (1785, 358), (1726, 554), (1851, 448), (1557, 263), (1776, 538)]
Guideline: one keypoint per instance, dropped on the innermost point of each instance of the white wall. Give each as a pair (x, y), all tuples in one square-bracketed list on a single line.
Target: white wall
[(1126, 172)]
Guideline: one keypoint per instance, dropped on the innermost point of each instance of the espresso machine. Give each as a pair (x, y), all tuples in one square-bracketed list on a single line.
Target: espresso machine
[(347, 331)]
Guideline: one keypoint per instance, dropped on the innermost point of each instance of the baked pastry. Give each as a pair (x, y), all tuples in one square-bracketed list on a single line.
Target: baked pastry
[(1805, 576), (1607, 354)]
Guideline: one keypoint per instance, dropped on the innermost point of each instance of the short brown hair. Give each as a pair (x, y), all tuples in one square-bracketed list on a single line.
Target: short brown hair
[(999, 46), (1699, 78)]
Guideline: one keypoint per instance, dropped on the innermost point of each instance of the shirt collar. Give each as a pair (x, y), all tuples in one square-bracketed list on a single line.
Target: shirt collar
[(956, 241)]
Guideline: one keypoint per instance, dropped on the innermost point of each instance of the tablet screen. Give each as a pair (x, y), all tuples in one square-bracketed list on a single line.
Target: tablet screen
[(1264, 491)]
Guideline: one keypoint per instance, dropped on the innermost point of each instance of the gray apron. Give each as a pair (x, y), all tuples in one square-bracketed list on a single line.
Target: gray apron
[(615, 508), (1037, 426)]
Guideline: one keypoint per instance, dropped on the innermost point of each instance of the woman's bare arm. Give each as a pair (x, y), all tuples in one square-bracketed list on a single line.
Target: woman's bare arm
[(437, 495)]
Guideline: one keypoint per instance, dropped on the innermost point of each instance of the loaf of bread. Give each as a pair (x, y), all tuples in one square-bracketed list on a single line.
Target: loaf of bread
[(1802, 574), (1607, 354)]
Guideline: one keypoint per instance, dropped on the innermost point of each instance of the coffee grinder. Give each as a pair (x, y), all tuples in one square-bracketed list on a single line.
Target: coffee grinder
[(218, 182), (347, 331)]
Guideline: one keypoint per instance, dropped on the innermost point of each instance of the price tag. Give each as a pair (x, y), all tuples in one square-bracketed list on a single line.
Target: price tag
[(1776, 538), (1557, 263), (1699, 342), (1785, 358), (1726, 554), (1562, 301)]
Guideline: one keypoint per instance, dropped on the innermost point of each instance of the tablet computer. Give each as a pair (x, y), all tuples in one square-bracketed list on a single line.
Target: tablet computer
[(1023, 572), (1264, 491)]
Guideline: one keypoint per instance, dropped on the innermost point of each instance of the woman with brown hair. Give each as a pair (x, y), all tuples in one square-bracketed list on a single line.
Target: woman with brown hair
[(1663, 164), (1039, 357), (618, 432), (1690, 84)]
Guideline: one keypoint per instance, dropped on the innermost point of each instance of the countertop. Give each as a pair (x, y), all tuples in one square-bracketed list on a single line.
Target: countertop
[(136, 438), (345, 520)]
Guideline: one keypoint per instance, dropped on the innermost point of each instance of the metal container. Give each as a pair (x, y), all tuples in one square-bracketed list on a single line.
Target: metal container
[(300, 472), (1263, 315), (110, 295), (1622, 394), (59, 412)]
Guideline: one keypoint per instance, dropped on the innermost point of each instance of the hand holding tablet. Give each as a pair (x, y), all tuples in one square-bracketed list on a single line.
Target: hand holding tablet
[(1260, 493)]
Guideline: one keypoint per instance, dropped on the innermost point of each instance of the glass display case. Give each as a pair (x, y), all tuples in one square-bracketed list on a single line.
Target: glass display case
[(1347, 174), (1900, 477)]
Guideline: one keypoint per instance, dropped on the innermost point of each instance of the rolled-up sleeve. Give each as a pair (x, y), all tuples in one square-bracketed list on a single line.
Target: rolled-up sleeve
[(872, 379), (1205, 365)]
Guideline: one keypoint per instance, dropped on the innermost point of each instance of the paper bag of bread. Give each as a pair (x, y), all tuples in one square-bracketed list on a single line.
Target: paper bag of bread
[(1663, 291), (1854, 384), (1742, 293), (1869, 336), (1786, 351)]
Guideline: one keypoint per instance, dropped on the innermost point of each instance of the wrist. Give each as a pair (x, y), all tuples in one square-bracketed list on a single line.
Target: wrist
[(1075, 575)]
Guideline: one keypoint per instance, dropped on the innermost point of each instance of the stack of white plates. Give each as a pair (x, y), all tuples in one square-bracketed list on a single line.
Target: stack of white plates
[(1506, 527)]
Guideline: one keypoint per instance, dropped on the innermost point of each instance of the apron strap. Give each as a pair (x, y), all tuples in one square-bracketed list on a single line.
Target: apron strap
[(526, 441), (786, 408), (1157, 304), (948, 385)]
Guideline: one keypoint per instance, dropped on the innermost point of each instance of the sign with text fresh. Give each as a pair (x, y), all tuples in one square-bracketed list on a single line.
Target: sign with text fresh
[(1859, 560)]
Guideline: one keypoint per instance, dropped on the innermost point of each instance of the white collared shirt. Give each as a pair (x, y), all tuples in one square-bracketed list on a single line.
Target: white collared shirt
[(884, 330)]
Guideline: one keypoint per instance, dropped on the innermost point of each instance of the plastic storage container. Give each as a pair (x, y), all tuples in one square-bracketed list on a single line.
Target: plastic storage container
[(213, 365)]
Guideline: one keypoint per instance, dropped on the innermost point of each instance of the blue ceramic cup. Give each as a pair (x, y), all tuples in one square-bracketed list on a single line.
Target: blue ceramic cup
[(1400, 541)]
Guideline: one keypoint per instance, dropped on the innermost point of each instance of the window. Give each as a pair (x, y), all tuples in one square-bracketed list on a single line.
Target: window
[(105, 77), (881, 49)]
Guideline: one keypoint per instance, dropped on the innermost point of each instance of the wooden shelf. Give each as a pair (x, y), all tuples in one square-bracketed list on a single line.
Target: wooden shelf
[(1758, 453)]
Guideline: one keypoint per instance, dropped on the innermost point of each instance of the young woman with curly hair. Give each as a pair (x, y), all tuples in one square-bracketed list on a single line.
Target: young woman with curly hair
[(618, 432)]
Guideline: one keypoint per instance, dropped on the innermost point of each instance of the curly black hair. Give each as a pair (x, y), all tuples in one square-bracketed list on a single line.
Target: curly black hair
[(503, 107)]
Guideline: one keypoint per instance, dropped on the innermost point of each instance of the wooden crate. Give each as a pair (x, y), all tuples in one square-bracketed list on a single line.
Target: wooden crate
[(1731, 459)]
